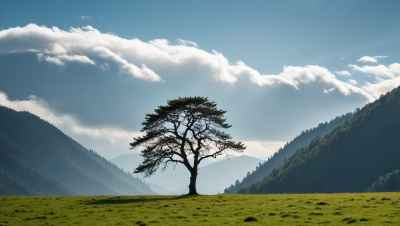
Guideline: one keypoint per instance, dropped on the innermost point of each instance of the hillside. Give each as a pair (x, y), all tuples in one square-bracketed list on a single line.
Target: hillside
[(304, 139), (273, 209), (348, 159), (64, 159), (22, 175)]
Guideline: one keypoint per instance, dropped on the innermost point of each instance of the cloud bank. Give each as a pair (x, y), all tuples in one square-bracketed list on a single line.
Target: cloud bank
[(151, 60), (387, 78), (380, 70)]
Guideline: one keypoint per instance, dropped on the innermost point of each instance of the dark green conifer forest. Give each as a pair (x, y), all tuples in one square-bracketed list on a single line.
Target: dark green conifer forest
[(283, 153), (348, 159)]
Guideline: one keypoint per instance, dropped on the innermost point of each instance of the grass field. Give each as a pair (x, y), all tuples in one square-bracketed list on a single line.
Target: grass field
[(285, 209)]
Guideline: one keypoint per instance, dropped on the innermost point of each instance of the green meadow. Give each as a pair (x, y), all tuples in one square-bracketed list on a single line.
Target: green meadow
[(282, 209)]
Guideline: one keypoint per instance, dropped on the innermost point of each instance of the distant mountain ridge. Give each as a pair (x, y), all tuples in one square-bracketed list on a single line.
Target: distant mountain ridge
[(348, 159), (212, 179), (301, 140), (62, 159)]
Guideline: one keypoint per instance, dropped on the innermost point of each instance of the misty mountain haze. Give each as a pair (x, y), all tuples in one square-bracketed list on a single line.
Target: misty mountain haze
[(213, 176)]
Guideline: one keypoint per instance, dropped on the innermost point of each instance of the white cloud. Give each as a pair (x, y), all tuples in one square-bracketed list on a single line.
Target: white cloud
[(262, 148), (143, 59), (343, 73), (60, 53), (42, 109), (80, 45), (381, 87), (312, 73), (353, 82), (83, 17), (387, 78), (50, 59), (342, 58), (368, 59), (377, 57), (326, 91), (105, 67), (380, 70), (185, 42)]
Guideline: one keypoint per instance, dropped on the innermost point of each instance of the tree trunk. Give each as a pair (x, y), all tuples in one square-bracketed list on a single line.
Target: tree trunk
[(192, 185)]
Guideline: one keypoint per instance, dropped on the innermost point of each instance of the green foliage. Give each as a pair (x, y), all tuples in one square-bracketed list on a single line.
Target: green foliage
[(348, 159), (286, 209)]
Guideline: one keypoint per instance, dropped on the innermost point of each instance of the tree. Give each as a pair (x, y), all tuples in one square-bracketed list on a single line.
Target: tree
[(237, 182), (183, 128)]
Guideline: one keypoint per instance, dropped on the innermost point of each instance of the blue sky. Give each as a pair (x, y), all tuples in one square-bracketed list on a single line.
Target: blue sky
[(95, 68)]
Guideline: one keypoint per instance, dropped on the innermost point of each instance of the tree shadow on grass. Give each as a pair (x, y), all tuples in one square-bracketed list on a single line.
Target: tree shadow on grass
[(129, 199)]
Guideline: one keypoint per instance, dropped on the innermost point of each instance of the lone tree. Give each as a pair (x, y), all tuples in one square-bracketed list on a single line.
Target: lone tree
[(185, 127)]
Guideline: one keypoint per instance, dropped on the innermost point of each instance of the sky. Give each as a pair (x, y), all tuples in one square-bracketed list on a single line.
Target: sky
[(94, 69)]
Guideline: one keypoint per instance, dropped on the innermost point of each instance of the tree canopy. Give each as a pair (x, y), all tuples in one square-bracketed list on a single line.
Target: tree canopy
[(185, 127)]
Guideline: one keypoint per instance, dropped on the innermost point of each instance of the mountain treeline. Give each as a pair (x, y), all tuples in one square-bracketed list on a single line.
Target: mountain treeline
[(390, 183), (286, 151), (55, 163), (348, 159)]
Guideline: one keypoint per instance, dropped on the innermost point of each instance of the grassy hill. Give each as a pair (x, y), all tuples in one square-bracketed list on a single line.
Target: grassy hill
[(272, 209), (348, 159)]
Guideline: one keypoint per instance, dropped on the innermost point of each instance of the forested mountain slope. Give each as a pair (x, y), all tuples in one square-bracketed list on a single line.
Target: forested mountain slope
[(302, 140), (73, 149), (22, 175), (62, 158), (348, 159)]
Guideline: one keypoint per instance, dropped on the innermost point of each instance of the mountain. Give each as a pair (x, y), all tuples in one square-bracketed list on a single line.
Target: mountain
[(159, 190), (63, 159), (22, 175), (212, 179), (289, 148), (348, 159), (128, 162)]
